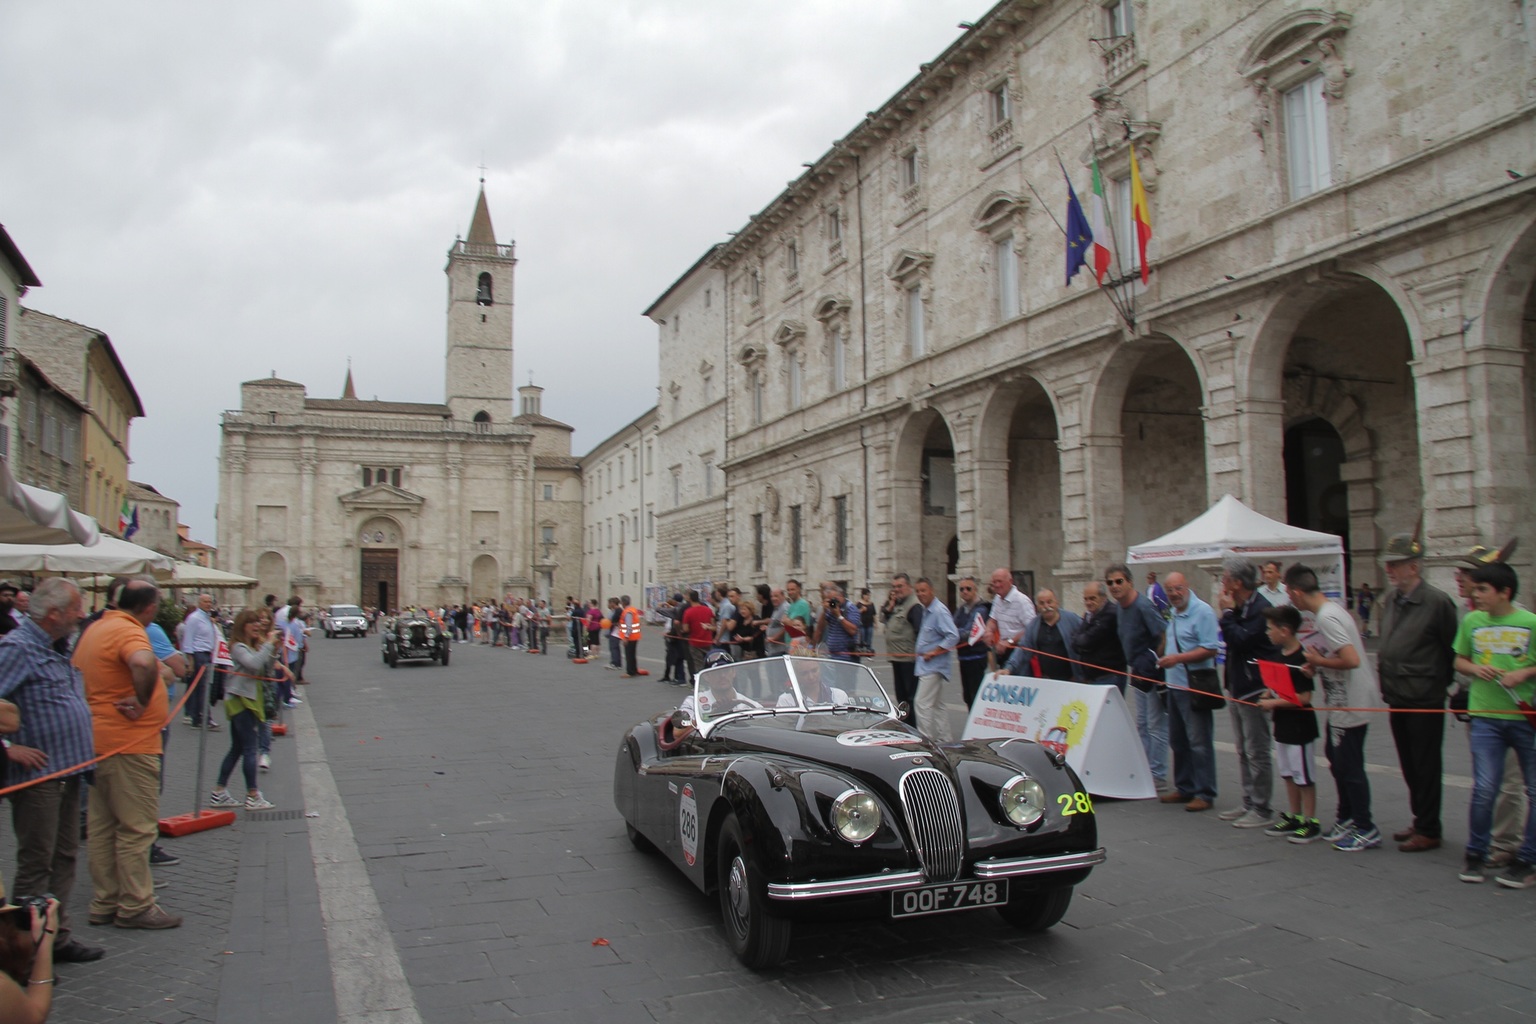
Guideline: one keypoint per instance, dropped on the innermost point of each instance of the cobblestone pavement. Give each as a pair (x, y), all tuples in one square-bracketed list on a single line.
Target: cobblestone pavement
[(466, 857)]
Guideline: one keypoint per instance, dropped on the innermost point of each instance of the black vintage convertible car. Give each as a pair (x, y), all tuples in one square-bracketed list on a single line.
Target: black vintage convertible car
[(414, 637), (789, 788)]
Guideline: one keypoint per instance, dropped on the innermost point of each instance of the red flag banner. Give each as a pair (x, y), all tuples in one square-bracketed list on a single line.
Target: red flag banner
[(978, 629), (1277, 676)]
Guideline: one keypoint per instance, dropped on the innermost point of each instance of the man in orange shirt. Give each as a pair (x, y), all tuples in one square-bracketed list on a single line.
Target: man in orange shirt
[(129, 706)]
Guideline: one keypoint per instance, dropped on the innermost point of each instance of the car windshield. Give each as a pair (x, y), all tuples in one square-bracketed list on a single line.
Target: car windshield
[(772, 684), (338, 610)]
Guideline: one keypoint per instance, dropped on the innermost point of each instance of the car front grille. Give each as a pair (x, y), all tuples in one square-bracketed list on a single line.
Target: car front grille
[(418, 635), (933, 818)]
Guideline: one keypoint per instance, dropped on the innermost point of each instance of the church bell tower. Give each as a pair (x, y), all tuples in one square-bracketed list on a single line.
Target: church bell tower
[(478, 381)]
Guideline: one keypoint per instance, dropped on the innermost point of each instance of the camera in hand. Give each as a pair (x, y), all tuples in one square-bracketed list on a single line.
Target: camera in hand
[(20, 910)]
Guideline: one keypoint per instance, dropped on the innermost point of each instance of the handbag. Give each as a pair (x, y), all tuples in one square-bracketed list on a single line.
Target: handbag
[(1205, 690), (1144, 673)]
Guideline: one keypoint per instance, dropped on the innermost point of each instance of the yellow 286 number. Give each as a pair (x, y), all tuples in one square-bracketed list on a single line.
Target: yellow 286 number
[(1075, 803)]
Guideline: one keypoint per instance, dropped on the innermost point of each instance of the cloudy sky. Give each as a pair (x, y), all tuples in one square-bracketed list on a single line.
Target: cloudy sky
[(229, 190)]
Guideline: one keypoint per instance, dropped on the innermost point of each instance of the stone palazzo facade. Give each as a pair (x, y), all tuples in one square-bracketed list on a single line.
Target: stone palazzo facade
[(887, 372), (390, 504)]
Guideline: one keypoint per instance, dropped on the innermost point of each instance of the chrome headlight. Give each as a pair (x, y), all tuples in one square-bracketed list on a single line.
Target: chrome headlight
[(1022, 800), (855, 815)]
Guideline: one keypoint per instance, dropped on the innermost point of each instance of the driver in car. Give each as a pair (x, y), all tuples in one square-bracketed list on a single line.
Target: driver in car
[(720, 698), (817, 692)]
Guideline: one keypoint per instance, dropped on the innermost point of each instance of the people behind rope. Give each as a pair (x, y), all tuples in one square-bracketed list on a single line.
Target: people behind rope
[(1494, 649), (1011, 615), (837, 627), (1295, 726), (1048, 650), (1141, 631), (937, 638), (1244, 631), (1189, 648), (1337, 655), (903, 617), (256, 652), (1097, 641), (971, 614)]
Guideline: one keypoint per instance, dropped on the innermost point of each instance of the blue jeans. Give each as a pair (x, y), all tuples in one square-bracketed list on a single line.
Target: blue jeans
[(1194, 752), (197, 704), (243, 730), (1346, 760), (1489, 738), (1152, 727), (615, 651)]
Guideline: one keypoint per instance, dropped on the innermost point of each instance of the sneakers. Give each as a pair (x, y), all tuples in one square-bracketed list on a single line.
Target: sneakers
[(258, 803), (294, 702), (264, 762), (1475, 870), (1233, 814), (212, 725), (1306, 832), (187, 720), (1339, 830), (1284, 826), (221, 798), (1358, 840), (1253, 819), (1519, 875), (154, 918), (158, 858)]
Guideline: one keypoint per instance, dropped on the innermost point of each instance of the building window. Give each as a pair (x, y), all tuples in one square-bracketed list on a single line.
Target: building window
[(549, 492), (1007, 262), (709, 551), (546, 535), (635, 521), (834, 225), (707, 297), (756, 385), (621, 471), (483, 290), (1120, 19), (757, 541), (1308, 166), (916, 342), (610, 533), (754, 285), (650, 524), (911, 169), (709, 389), (795, 375), (796, 538), (367, 477), (677, 488), (999, 105), (677, 557), (843, 528), (709, 478), (792, 258), (839, 359)]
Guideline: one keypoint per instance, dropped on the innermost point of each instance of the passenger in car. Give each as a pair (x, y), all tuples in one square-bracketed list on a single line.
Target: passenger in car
[(815, 690)]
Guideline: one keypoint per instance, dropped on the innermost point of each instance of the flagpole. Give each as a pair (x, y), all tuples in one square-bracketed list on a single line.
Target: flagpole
[(1115, 300), (1125, 302)]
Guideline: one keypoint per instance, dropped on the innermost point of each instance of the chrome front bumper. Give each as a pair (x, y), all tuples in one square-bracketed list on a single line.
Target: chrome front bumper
[(891, 880)]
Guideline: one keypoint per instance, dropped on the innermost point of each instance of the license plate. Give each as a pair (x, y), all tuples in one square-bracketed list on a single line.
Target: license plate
[(940, 899)]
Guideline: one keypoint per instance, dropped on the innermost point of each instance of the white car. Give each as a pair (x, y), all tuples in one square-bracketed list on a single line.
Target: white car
[(344, 618)]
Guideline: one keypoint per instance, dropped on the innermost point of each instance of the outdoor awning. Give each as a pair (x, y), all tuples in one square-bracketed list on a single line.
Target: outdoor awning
[(32, 515), (107, 555)]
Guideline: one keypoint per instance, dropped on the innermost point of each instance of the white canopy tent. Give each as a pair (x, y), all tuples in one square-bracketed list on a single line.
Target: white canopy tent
[(1231, 528), (186, 575), (107, 555), (32, 515)]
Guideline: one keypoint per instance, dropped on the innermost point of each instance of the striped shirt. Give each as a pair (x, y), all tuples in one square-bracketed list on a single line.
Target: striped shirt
[(47, 689)]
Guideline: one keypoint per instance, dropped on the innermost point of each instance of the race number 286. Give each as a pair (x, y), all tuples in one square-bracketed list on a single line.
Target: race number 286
[(1074, 803)]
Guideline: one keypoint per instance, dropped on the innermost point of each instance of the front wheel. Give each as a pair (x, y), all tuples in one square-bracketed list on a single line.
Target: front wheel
[(758, 939), (1036, 911), (392, 658), (445, 655), (637, 840)]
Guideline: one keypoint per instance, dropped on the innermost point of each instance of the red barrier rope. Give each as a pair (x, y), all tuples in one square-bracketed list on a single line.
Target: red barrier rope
[(73, 769)]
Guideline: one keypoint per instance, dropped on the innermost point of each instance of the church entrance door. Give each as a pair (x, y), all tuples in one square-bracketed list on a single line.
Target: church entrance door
[(380, 578)]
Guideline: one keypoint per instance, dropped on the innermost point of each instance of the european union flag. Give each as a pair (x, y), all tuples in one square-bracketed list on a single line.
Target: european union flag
[(1079, 234)]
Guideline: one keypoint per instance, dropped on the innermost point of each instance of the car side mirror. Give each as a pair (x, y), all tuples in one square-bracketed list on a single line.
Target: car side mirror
[(903, 710), (681, 720)]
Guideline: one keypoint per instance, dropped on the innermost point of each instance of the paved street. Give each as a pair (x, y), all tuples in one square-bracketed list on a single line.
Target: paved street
[(465, 858)]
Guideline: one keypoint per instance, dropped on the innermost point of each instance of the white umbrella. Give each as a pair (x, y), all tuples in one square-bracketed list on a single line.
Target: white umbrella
[(190, 574), (31, 515), (108, 555)]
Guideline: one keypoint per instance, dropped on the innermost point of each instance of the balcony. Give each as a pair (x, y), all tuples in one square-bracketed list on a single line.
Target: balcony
[(1120, 57), (10, 371)]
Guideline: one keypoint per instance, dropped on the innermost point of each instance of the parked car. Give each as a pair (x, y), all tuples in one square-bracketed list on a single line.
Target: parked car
[(344, 618), (787, 787), (412, 638)]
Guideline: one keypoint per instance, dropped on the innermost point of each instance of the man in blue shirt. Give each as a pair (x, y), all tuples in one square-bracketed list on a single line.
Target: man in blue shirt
[(838, 624), (55, 736), (1141, 640), (199, 641), (936, 639), (1190, 647)]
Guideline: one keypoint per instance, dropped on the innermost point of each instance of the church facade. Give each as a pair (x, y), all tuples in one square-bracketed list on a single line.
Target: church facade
[(1338, 327), (389, 504)]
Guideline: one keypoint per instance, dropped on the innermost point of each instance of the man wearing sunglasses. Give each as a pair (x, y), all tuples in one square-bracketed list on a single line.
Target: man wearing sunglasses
[(1141, 640)]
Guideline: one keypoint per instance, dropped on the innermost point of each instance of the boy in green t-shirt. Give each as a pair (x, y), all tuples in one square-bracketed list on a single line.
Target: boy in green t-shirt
[(1493, 647)]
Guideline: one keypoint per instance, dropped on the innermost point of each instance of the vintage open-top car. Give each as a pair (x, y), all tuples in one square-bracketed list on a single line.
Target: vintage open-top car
[(788, 787), (414, 637)]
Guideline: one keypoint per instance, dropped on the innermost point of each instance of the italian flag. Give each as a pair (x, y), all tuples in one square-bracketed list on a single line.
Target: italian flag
[(1102, 256), (1140, 215), (124, 517)]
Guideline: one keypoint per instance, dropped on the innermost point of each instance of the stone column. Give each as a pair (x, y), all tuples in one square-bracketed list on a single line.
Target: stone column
[(1077, 512), (233, 515), (453, 517), (308, 460)]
